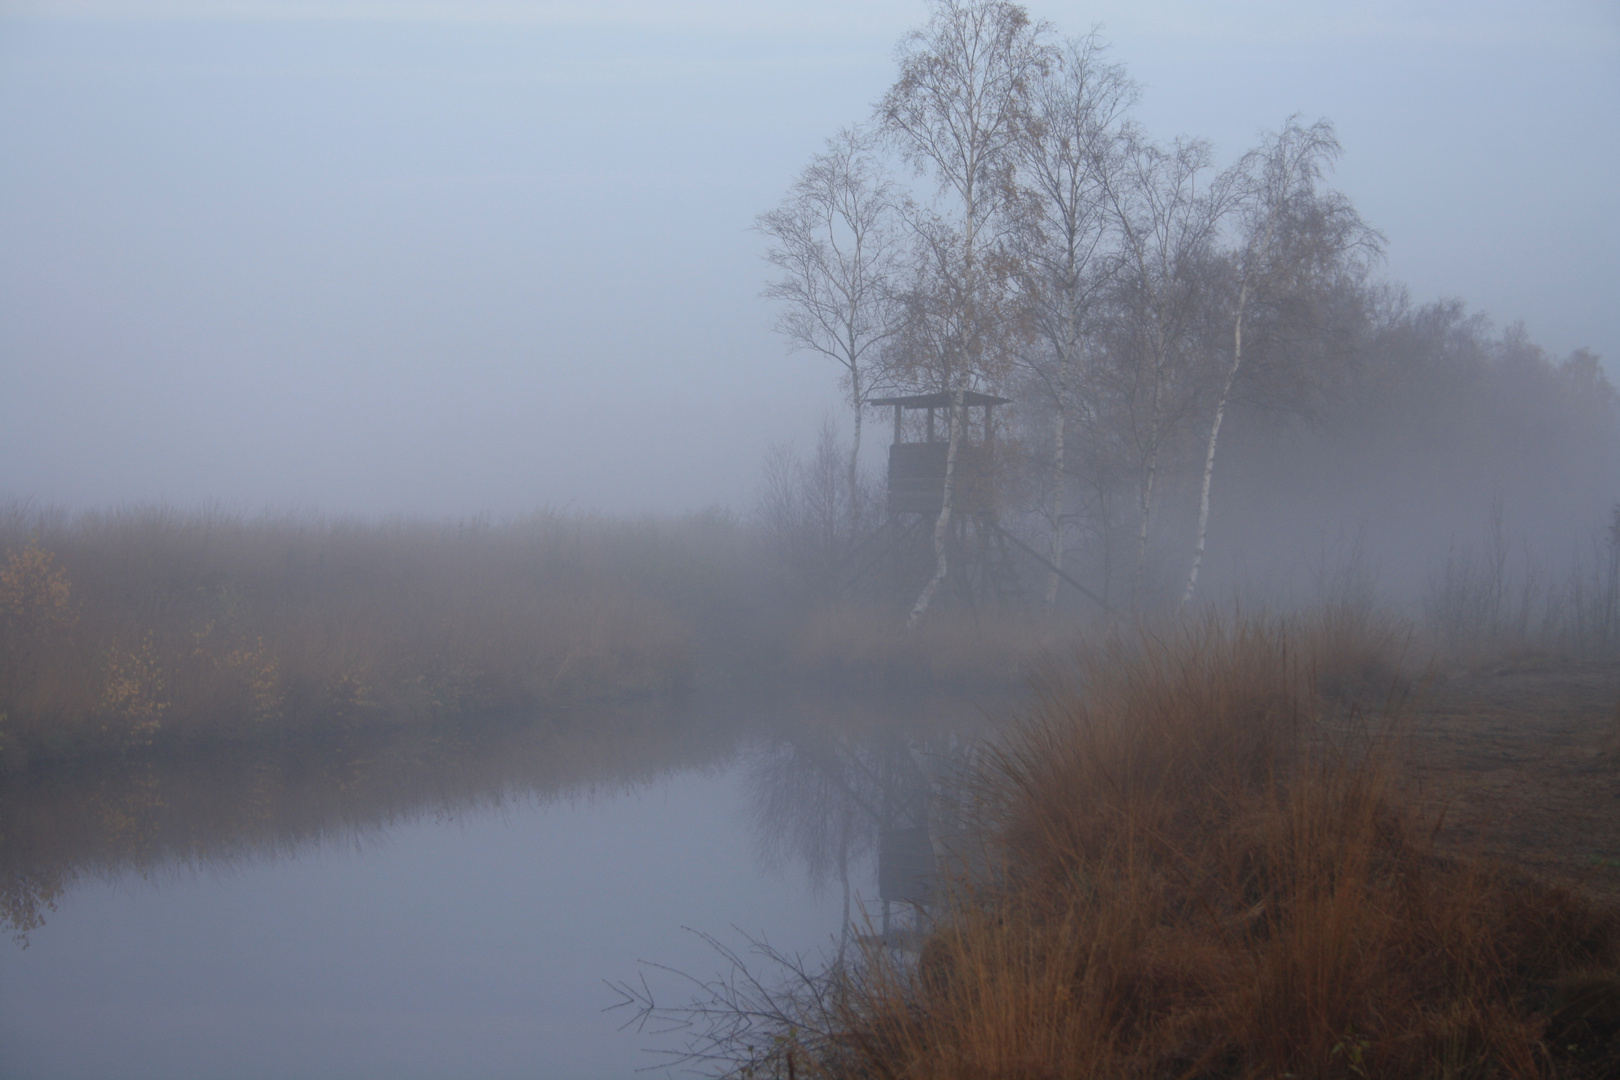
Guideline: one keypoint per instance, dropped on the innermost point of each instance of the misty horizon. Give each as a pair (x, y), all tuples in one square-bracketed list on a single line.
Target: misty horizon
[(500, 257)]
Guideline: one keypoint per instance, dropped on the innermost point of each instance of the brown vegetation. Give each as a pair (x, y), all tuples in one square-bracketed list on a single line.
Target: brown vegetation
[(132, 629), (1525, 754), (124, 627), (1195, 864)]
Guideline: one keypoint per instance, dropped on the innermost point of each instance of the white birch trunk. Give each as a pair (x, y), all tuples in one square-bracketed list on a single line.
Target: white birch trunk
[(942, 525), (1150, 472), (1052, 578), (1214, 439), (1255, 253), (855, 452), (1145, 509)]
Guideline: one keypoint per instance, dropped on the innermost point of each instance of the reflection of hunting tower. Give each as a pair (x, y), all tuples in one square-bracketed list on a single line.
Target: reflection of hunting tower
[(979, 550)]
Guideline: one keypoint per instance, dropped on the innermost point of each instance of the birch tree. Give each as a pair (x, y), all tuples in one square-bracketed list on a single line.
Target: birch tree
[(1064, 235), (958, 113), (834, 240), (1290, 237), (1166, 206)]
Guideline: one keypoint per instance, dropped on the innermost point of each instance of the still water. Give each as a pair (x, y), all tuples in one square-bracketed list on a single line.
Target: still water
[(444, 904)]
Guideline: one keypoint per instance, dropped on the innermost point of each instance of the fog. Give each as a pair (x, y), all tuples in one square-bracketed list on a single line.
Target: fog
[(450, 258), (436, 603)]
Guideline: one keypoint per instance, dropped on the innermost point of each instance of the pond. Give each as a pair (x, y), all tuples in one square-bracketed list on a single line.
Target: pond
[(457, 901)]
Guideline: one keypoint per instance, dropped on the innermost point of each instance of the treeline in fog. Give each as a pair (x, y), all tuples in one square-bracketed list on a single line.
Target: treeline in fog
[(1212, 390)]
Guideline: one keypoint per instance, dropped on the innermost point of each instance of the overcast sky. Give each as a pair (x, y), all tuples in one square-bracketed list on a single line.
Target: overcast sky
[(447, 256)]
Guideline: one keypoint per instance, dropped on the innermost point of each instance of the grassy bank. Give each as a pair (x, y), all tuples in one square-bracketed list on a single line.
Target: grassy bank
[(1194, 862)]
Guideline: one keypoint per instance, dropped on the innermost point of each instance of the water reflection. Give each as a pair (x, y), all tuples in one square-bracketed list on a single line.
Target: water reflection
[(487, 941), (850, 784), (834, 782), (191, 810)]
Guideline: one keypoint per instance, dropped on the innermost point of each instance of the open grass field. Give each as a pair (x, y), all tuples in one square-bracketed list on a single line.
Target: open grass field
[(1524, 757)]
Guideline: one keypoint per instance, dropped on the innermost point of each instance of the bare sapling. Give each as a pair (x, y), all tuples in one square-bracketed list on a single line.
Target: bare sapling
[(834, 240)]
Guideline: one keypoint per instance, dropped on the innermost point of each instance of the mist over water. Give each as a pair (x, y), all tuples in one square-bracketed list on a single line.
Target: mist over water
[(476, 944), (406, 908)]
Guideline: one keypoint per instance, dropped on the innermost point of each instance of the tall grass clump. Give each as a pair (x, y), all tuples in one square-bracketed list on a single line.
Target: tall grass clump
[(1190, 864)]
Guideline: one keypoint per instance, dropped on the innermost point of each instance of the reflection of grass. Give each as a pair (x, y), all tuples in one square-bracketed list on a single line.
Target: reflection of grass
[(1202, 868), (213, 805)]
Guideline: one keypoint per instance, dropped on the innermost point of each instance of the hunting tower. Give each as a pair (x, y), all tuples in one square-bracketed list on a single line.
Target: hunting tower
[(979, 550), (917, 469), (980, 561)]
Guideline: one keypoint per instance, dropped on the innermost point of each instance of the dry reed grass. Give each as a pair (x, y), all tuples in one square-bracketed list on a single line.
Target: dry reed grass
[(1192, 869), (122, 627)]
